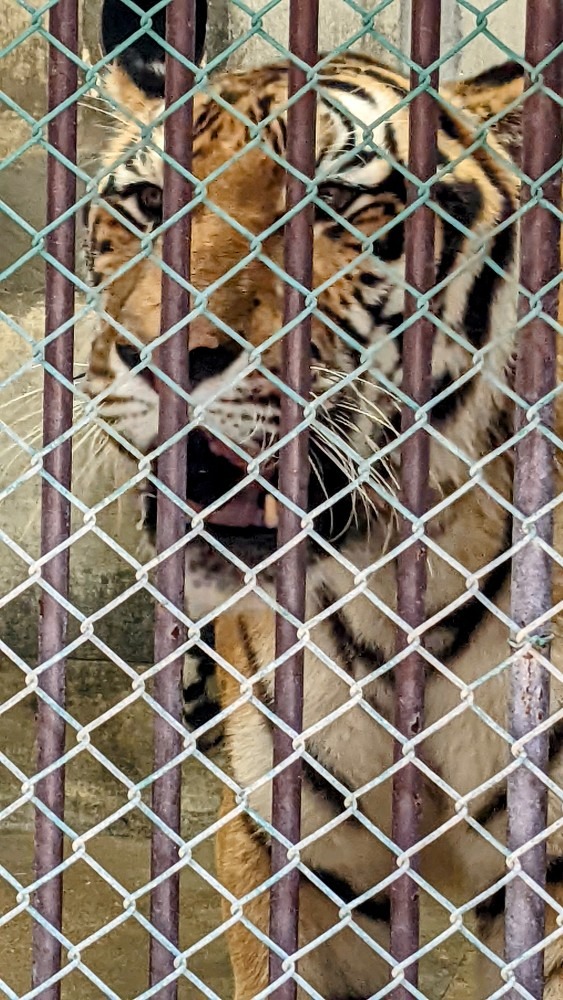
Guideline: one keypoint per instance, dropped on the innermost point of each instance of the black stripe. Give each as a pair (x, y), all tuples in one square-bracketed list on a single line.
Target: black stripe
[(202, 713), (350, 141), (126, 215), (492, 807), (447, 407), (342, 323), (340, 197), (463, 201), (196, 715), (350, 647), (265, 106), (346, 88), (554, 872), (450, 126), (482, 293), (504, 73), (207, 118), (480, 301), (465, 620), (389, 323), (362, 158), (382, 78), (276, 134), (325, 789), (499, 801), (378, 908), (391, 142), (555, 739), (207, 635), (390, 246), (195, 689), (492, 907), (454, 129)]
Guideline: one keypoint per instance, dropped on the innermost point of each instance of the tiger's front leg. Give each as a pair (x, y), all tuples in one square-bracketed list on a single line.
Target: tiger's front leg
[(345, 964)]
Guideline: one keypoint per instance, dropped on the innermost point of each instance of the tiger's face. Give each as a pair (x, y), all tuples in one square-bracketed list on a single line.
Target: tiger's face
[(235, 344)]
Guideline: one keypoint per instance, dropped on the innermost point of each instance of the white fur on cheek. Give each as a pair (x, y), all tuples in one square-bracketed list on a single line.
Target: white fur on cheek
[(131, 406)]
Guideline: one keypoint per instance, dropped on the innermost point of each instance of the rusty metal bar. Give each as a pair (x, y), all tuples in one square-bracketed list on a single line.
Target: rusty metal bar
[(533, 488), (172, 359), (293, 483), (55, 508), (415, 458)]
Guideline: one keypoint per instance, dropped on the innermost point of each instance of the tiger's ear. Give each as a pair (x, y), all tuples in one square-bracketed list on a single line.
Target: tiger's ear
[(490, 94), (143, 59)]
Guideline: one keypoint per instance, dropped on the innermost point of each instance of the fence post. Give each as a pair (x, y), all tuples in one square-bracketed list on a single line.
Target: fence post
[(171, 357), (533, 489), (293, 483), (415, 457), (55, 505)]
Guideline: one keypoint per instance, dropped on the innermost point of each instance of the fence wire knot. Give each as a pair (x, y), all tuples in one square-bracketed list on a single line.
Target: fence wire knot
[(524, 642)]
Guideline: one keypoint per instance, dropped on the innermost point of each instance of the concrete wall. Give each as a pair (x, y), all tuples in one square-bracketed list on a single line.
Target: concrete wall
[(22, 71), (98, 573)]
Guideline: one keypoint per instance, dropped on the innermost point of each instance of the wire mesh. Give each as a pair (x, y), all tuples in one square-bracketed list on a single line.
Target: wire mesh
[(343, 880)]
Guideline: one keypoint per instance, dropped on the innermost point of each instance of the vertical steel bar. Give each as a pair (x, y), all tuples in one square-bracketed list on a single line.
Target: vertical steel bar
[(293, 482), (55, 508), (533, 488), (415, 456), (172, 359)]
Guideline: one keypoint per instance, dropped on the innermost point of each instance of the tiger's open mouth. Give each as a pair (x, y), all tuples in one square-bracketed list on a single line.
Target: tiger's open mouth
[(251, 514), (213, 470)]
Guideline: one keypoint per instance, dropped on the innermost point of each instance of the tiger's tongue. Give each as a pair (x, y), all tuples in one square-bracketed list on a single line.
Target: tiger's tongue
[(245, 510), (223, 451)]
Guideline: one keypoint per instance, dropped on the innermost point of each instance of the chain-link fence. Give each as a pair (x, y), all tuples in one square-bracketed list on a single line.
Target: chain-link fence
[(304, 739)]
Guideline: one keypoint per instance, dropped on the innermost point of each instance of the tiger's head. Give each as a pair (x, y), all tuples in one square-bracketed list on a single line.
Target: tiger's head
[(236, 326)]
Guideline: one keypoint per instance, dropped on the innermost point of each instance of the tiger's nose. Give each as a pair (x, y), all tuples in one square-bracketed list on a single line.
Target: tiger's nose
[(204, 362), (208, 362), (131, 357)]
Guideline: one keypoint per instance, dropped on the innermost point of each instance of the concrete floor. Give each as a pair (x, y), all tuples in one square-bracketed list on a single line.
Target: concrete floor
[(94, 686), (92, 795), (119, 959)]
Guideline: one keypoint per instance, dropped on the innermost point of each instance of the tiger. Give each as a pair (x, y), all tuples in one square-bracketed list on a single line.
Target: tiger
[(239, 141)]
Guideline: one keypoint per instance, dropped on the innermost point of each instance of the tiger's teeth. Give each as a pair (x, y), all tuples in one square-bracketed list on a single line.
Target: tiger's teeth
[(270, 511)]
